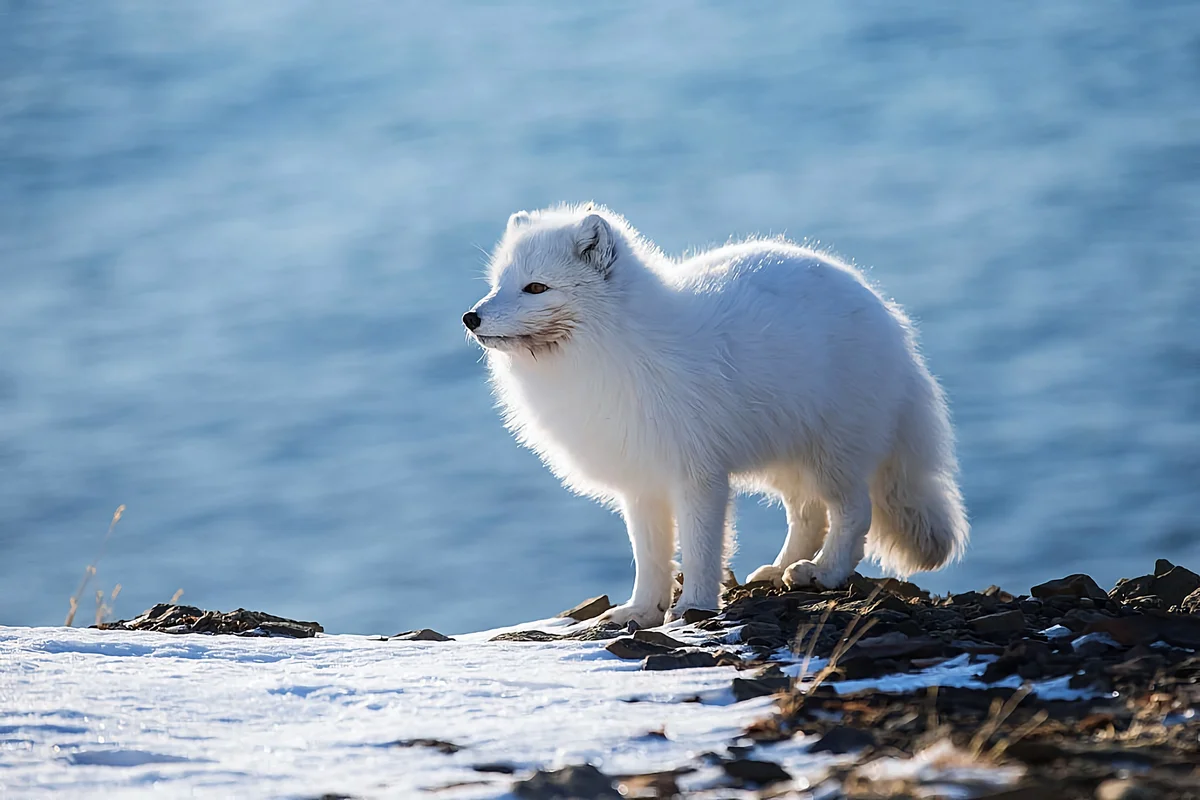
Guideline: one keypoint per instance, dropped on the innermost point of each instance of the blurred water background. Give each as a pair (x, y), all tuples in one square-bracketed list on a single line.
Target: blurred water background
[(236, 240)]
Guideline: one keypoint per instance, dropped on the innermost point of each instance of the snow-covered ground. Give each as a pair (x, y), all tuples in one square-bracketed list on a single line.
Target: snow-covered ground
[(88, 713)]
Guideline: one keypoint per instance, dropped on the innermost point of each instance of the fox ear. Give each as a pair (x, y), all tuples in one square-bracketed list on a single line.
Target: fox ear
[(596, 244), (519, 220)]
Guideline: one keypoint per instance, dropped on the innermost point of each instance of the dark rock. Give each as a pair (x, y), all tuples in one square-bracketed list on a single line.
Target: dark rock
[(761, 773), (1175, 585), (635, 649), (1162, 567), (449, 748), (1077, 619), (842, 739), (168, 618), (679, 659), (939, 619), (495, 767), (1129, 588), (897, 645), (659, 638), (758, 629), (588, 609), (1077, 585), (422, 635), (1095, 644), (1177, 629), (1002, 622), (694, 615), (1000, 669), (748, 688), (569, 783), (526, 636)]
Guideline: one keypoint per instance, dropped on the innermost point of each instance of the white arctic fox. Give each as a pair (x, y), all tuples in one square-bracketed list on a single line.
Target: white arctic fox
[(662, 386)]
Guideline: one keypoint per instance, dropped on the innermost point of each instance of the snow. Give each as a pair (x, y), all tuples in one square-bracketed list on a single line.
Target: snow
[(960, 672), (85, 712)]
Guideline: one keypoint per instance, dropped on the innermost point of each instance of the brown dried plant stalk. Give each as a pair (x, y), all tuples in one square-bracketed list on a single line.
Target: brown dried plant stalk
[(91, 568)]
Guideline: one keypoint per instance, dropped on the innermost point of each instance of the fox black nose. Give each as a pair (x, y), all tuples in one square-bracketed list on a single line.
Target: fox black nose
[(471, 320)]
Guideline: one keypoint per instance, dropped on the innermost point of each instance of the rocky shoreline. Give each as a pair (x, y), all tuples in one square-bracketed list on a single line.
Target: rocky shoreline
[(1067, 692)]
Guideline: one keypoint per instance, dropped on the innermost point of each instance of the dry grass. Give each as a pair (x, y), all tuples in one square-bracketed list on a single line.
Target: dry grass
[(854, 631), (91, 571)]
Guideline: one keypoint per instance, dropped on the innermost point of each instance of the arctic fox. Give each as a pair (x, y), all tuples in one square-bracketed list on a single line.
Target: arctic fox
[(662, 386)]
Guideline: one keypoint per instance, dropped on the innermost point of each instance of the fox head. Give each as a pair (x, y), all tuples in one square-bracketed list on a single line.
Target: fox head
[(551, 275)]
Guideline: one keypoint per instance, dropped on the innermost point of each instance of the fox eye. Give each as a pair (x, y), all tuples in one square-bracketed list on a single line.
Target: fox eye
[(535, 288)]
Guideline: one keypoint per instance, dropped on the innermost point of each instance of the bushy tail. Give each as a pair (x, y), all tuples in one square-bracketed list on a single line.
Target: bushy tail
[(918, 521)]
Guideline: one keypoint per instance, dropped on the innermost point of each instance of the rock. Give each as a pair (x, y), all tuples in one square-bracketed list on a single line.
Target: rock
[(569, 783), (1179, 630), (762, 773), (897, 645), (1162, 567), (1129, 588), (1002, 622), (762, 632), (1175, 585), (1077, 585), (1095, 644), (841, 739), (652, 784), (1191, 603), (448, 748), (422, 635), (1125, 789), (588, 609), (679, 659), (168, 618), (694, 615), (526, 636), (495, 767), (749, 688), (659, 638), (635, 649), (998, 593)]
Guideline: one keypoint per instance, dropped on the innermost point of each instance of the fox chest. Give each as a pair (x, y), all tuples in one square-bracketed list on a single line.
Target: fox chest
[(608, 433)]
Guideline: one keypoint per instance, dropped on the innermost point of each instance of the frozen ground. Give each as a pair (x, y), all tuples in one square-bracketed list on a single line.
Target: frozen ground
[(87, 713)]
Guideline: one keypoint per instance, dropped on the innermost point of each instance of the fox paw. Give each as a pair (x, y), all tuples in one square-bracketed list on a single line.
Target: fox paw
[(646, 616), (812, 573), (770, 572)]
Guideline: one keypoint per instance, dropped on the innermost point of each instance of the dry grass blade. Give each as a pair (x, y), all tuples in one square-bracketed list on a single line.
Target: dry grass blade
[(812, 642), (1018, 734), (996, 716), (104, 608), (843, 646), (175, 597), (91, 568), (849, 638)]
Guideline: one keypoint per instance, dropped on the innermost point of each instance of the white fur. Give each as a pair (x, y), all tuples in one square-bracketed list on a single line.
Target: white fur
[(662, 386)]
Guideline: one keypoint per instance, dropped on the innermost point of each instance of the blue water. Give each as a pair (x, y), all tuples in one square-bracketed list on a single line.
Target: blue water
[(236, 240)]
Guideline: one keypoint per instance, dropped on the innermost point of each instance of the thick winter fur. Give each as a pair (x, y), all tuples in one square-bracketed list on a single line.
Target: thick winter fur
[(662, 386)]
